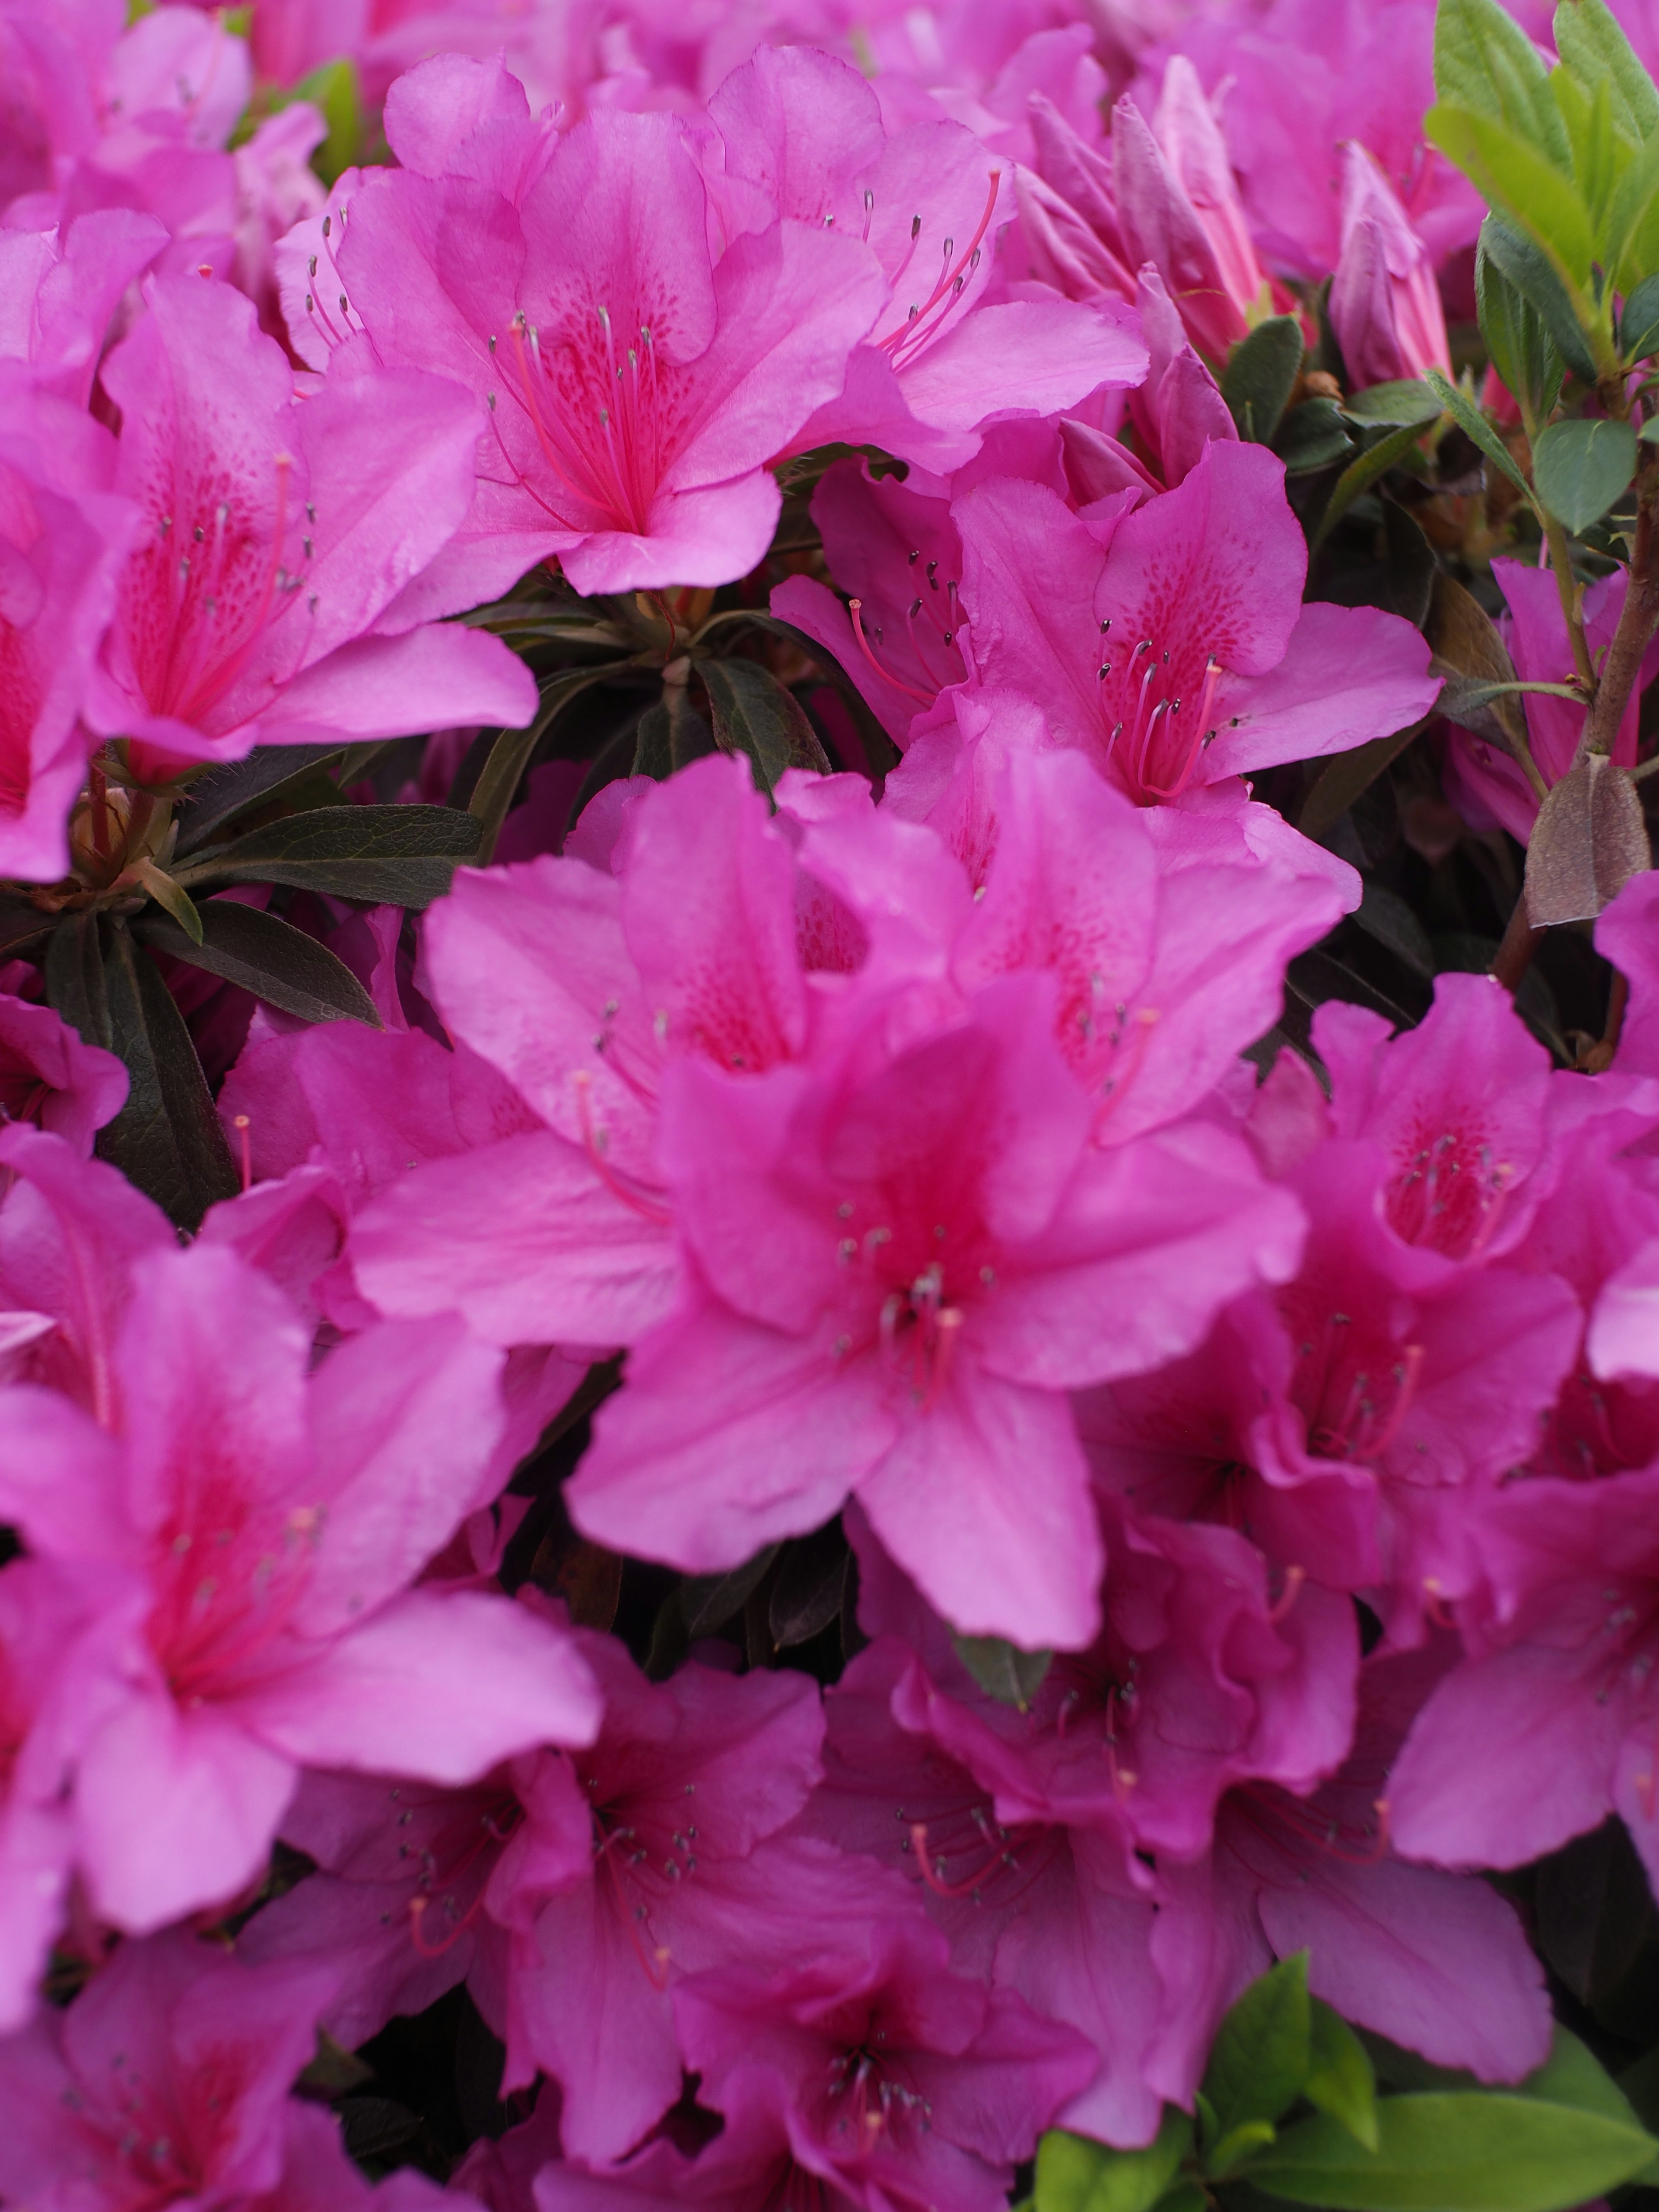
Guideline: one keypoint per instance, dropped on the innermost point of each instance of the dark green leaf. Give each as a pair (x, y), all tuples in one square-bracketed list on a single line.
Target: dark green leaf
[(1639, 326), (387, 855), (1314, 978), (1473, 424), (755, 716), (880, 753), (171, 896), (1339, 2079), (1013, 1677), (503, 770), (1407, 399), (1386, 916), (1361, 473), (1457, 2152), (269, 958), (708, 1602), (1529, 269), (1590, 42), (1312, 436), (1408, 588), (1074, 2174), (671, 732), (1473, 659), (807, 1593), (1262, 2049), (1344, 777), (166, 1139), (213, 801), (1527, 358), (1260, 375), (1581, 468)]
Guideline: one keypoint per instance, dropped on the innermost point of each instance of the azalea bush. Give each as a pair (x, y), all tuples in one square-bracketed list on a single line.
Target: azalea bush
[(830, 1063)]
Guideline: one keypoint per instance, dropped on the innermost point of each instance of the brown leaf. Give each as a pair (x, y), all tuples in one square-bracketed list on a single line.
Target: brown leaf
[(1588, 841), (1469, 654)]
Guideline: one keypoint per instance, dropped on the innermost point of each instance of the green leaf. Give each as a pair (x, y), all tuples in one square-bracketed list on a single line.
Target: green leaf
[(671, 732), (811, 1585), (1361, 473), (1312, 436), (1581, 468), (334, 91), (1534, 277), (171, 897), (510, 755), (1013, 1677), (386, 855), (267, 776), (1262, 2049), (1076, 2175), (1237, 2147), (1344, 778), (1340, 2080), (1260, 376), (1406, 400), (1525, 355), (269, 958), (1457, 2152), (755, 715), (1469, 419), (1638, 325), (1593, 46), (166, 1139), (1485, 62), (708, 1602), (879, 752)]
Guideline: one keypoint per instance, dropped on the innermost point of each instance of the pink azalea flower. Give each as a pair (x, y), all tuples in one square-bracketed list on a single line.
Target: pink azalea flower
[(806, 136), (50, 51), (896, 2080), (63, 538), (636, 383), (1068, 220), (1627, 933), (1178, 208), (899, 1258), (1436, 1963), (47, 1075), (59, 289), (1176, 413), (667, 1871), (258, 608), (273, 1524), (1385, 303), (1179, 652), (166, 2082)]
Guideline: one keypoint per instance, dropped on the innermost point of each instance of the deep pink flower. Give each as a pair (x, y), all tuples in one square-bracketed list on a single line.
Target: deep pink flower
[(48, 1074), (806, 136), (1180, 652), (897, 2081), (1176, 413), (1627, 933), (636, 383), (1385, 304), (899, 1258), (64, 535), (166, 2083), (59, 289), (273, 1524), (260, 607)]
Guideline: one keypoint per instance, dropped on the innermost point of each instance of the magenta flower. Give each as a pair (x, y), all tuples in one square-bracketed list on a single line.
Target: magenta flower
[(805, 138), (273, 1524), (63, 538), (899, 1259), (47, 1075), (1626, 934), (1385, 303), (63, 285), (1180, 653), (259, 608), (1176, 413), (896, 2080), (636, 383)]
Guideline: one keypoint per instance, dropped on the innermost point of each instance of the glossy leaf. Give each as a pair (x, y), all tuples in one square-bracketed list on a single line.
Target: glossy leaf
[(1262, 2049), (1013, 1677), (269, 958), (386, 855), (1452, 2151), (1581, 468), (755, 716), (1260, 376)]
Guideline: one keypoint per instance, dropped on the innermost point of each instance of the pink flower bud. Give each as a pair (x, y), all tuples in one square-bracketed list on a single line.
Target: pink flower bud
[(1385, 305)]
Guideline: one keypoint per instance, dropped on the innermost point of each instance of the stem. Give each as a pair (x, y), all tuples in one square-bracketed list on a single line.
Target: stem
[(1637, 620), (1514, 956)]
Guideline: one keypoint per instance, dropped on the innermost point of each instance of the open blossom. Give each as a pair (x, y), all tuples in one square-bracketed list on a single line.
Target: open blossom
[(260, 605), (1178, 652), (636, 383), (48, 1074), (270, 1524)]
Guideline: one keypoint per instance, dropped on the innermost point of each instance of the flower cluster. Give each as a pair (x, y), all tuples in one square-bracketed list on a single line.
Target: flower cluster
[(798, 1463)]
